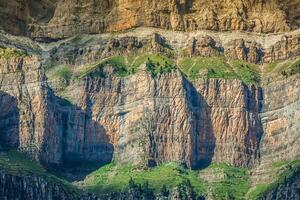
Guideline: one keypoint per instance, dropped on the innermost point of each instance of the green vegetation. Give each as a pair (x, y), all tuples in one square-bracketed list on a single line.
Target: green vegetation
[(223, 181), (294, 69), (234, 185), (286, 171), (218, 67), (159, 65), (16, 163), (63, 72), (247, 72), (283, 68), (192, 68), (8, 53), (271, 66), (112, 178), (211, 67), (120, 66)]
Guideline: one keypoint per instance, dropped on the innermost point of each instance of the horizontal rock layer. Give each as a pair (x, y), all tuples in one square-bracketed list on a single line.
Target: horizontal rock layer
[(64, 18), (142, 118)]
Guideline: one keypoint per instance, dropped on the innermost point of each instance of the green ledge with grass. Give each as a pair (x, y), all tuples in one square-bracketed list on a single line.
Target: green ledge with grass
[(287, 170), (193, 68), (113, 178), (15, 163), (233, 182)]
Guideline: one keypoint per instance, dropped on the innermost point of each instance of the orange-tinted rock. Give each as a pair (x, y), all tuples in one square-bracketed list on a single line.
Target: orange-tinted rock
[(60, 19)]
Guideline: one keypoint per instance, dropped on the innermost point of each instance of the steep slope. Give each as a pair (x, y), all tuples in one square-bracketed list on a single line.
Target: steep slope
[(149, 97), (60, 19)]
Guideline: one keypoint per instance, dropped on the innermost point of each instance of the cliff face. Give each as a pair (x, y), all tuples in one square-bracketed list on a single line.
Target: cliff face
[(63, 102), (59, 19), (145, 119), (141, 117), (288, 190), (168, 118), (280, 119), (41, 119), (17, 187)]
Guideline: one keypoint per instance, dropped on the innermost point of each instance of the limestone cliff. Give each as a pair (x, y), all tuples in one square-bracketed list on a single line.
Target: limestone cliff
[(61, 18), (149, 96), (141, 117)]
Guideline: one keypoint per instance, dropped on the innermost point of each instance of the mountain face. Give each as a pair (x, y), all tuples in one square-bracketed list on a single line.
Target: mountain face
[(199, 83), (60, 19)]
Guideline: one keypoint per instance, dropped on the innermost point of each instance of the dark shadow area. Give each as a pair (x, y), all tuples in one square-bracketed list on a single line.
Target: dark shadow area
[(203, 139), (254, 105), (80, 143), (9, 121)]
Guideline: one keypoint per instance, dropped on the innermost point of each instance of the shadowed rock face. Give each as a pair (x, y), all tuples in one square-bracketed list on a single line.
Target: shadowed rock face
[(9, 120), (139, 118), (48, 127), (64, 18)]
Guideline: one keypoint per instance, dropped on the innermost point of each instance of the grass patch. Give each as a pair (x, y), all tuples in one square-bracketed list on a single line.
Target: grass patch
[(289, 170), (283, 69), (294, 69), (210, 67), (247, 72), (113, 178), (158, 65), (16, 163), (119, 66), (218, 67), (192, 68), (63, 72), (9, 53), (234, 185), (271, 66)]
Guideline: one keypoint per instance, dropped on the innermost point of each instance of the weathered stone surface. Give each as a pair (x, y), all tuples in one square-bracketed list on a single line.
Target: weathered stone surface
[(59, 19), (286, 191), (287, 47), (253, 49), (48, 128), (239, 50), (205, 46), (280, 118)]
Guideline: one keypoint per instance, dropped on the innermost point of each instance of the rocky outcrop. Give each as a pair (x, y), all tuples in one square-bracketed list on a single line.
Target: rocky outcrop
[(287, 47), (205, 46), (280, 117), (239, 50), (170, 119), (288, 190), (139, 118), (31, 187), (191, 122), (9, 120), (48, 127), (59, 19), (229, 123), (82, 50), (22, 187)]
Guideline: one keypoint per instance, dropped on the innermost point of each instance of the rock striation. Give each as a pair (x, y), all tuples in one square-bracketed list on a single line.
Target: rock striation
[(145, 117), (142, 118), (59, 19), (40, 123)]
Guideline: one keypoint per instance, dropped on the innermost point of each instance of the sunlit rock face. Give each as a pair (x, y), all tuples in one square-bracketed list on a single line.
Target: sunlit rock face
[(63, 18)]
